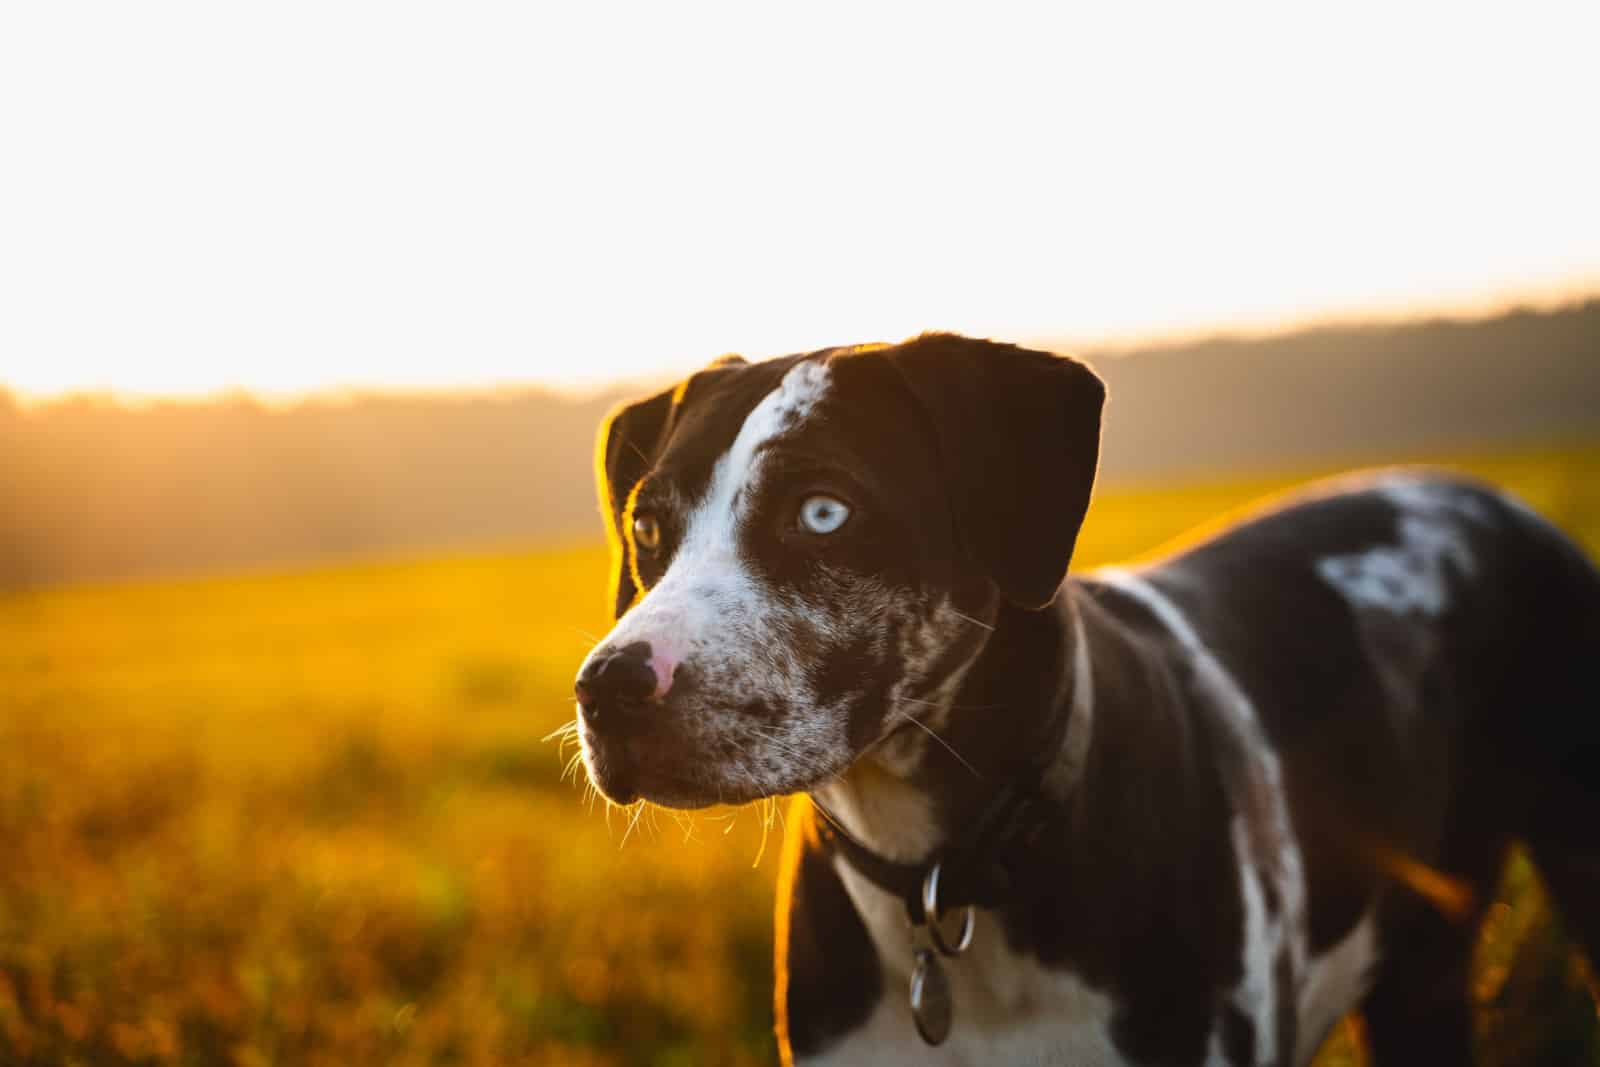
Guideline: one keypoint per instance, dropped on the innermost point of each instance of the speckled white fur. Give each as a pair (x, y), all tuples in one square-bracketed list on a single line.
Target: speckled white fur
[(1011, 1010), (728, 626)]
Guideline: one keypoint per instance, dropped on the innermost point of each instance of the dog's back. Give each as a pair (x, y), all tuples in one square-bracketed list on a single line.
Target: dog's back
[(1422, 654)]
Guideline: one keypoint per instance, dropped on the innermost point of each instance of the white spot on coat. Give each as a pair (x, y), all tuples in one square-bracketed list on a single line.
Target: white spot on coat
[(1395, 589), (1414, 575), (1334, 982)]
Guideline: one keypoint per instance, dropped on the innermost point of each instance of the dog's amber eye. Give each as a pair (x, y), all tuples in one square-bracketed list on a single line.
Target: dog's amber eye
[(823, 514), (646, 532)]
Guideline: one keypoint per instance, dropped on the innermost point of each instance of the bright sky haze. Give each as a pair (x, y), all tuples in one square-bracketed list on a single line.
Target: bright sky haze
[(294, 196)]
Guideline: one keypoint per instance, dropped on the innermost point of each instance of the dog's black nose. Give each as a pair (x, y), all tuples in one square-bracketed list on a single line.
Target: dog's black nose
[(615, 678)]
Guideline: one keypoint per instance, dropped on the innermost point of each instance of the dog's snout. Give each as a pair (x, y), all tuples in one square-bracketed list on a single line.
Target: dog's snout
[(616, 677)]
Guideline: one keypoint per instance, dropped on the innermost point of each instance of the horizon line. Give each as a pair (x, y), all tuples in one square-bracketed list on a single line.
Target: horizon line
[(1507, 301)]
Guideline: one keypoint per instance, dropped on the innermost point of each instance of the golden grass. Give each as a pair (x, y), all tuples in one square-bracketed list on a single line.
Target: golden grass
[(308, 818)]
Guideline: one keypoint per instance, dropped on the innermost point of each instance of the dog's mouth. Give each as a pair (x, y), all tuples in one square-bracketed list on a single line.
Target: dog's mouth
[(653, 765), (624, 785), (666, 762)]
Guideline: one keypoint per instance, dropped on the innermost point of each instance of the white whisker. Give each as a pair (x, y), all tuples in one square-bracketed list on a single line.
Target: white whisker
[(638, 810), (947, 746), (564, 731), (952, 707)]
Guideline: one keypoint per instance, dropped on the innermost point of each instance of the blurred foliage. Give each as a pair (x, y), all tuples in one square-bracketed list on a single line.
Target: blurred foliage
[(309, 819)]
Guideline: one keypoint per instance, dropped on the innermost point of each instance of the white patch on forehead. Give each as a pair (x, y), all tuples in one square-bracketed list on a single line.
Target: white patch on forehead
[(779, 411), (726, 629), (709, 548), (1262, 832)]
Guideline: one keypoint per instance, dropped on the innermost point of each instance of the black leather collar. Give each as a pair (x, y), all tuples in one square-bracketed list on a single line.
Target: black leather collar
[(972, 872), (975, 870)]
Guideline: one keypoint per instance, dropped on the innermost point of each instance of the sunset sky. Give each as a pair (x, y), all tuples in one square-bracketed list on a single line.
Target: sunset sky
[(291, 196)]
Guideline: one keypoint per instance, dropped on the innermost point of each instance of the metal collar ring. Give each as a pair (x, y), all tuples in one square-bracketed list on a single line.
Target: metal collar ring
[(931, 913)]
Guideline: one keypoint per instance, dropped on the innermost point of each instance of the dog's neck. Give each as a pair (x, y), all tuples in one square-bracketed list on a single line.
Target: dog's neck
[(1005, 723)]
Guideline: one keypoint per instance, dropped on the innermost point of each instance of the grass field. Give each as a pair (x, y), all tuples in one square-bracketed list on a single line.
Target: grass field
[(309, 819)]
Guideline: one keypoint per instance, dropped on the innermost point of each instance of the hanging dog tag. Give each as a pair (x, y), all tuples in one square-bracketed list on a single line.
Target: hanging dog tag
[(930, 998)]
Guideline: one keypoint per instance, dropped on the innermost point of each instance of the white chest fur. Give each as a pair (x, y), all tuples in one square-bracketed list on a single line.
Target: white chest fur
[(1008, 1009)]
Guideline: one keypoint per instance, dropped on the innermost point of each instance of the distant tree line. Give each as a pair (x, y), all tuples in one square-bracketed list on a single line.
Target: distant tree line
[(91, 489)]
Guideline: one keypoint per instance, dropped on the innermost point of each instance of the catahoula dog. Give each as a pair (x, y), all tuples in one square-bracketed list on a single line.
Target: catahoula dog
[(1189, 813)]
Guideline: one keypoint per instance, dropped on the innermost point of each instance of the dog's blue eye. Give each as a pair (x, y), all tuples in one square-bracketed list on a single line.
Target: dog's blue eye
[(823, 514)]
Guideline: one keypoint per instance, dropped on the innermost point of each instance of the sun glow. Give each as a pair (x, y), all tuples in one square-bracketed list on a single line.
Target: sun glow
[(307, 196)]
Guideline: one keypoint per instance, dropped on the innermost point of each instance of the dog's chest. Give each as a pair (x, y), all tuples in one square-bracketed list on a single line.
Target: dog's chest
[(1008, 1008), (1245, 989)]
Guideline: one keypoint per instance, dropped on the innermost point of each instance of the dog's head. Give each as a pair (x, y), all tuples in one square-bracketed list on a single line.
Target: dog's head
[(803, 544)]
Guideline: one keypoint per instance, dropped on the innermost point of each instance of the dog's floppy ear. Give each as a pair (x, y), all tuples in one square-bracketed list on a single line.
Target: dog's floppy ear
[(629, 440), (1018, 433)]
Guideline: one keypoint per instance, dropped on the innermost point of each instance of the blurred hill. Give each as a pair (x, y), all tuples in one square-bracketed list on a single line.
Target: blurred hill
[(90, 489), (1352, 394)]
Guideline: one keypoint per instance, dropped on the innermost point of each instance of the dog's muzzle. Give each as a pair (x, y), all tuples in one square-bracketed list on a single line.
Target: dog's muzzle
[(631, 732)]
